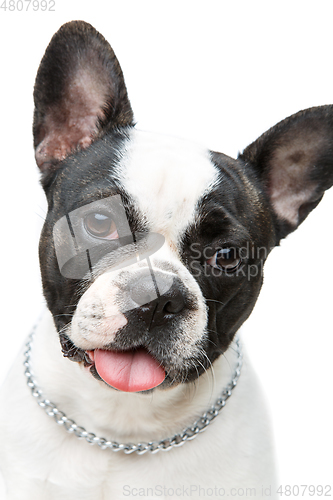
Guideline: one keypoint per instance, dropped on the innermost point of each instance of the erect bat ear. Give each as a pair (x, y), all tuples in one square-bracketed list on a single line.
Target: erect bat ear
[(79, 94), (294, 160)]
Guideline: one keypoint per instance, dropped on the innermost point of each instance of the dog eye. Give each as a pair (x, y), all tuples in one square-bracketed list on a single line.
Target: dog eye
[(101, 226), (226, 259)]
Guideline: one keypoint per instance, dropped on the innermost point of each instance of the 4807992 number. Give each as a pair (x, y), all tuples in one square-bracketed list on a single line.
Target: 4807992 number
[(28, 5), (302, 490)]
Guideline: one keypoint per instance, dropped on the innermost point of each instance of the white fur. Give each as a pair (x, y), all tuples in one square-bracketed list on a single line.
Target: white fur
[(165, 177), (97, 318), (41, 461)]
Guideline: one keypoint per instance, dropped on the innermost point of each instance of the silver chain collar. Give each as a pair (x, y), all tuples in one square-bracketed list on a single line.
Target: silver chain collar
[(154, 446)]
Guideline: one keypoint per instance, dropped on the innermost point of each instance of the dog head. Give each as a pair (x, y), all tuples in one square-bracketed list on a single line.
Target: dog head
[(153, 248)]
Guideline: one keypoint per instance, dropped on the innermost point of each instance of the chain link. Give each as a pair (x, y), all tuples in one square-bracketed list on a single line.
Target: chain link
[(141, 448)]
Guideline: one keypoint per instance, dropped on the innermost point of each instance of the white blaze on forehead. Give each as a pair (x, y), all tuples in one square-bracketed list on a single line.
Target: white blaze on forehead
[(166, 177)]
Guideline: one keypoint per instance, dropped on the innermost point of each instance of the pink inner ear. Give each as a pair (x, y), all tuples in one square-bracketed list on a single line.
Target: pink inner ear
[(290, 184), (73, 122)]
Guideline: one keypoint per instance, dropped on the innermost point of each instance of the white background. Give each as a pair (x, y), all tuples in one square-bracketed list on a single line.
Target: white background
[(221, 73)]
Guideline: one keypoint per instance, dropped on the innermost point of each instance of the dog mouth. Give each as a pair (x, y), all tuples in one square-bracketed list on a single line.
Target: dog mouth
[(136, 369), (133, 370)]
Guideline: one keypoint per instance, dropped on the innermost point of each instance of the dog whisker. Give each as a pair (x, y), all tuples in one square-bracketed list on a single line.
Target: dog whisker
[(40, 216), (63, 314), (217, 301), (209, 340)]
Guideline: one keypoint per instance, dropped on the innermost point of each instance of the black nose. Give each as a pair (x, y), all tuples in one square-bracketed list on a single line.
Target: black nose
[(159, 297)]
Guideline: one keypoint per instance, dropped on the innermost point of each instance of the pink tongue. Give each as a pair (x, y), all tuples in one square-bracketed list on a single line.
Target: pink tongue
[(130, 371)]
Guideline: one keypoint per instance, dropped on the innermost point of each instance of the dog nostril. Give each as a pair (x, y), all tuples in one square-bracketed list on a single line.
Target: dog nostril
[(175, 305), (158, 301)]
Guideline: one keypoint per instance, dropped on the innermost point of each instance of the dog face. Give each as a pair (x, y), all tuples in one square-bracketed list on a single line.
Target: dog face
[(153, 248)]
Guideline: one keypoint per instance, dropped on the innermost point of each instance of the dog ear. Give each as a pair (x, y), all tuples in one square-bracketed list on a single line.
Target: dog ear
[(79, 94), (295, 162)]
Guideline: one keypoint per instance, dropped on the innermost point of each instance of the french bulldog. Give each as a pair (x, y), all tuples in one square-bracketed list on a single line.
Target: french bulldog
[(151, 257)]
